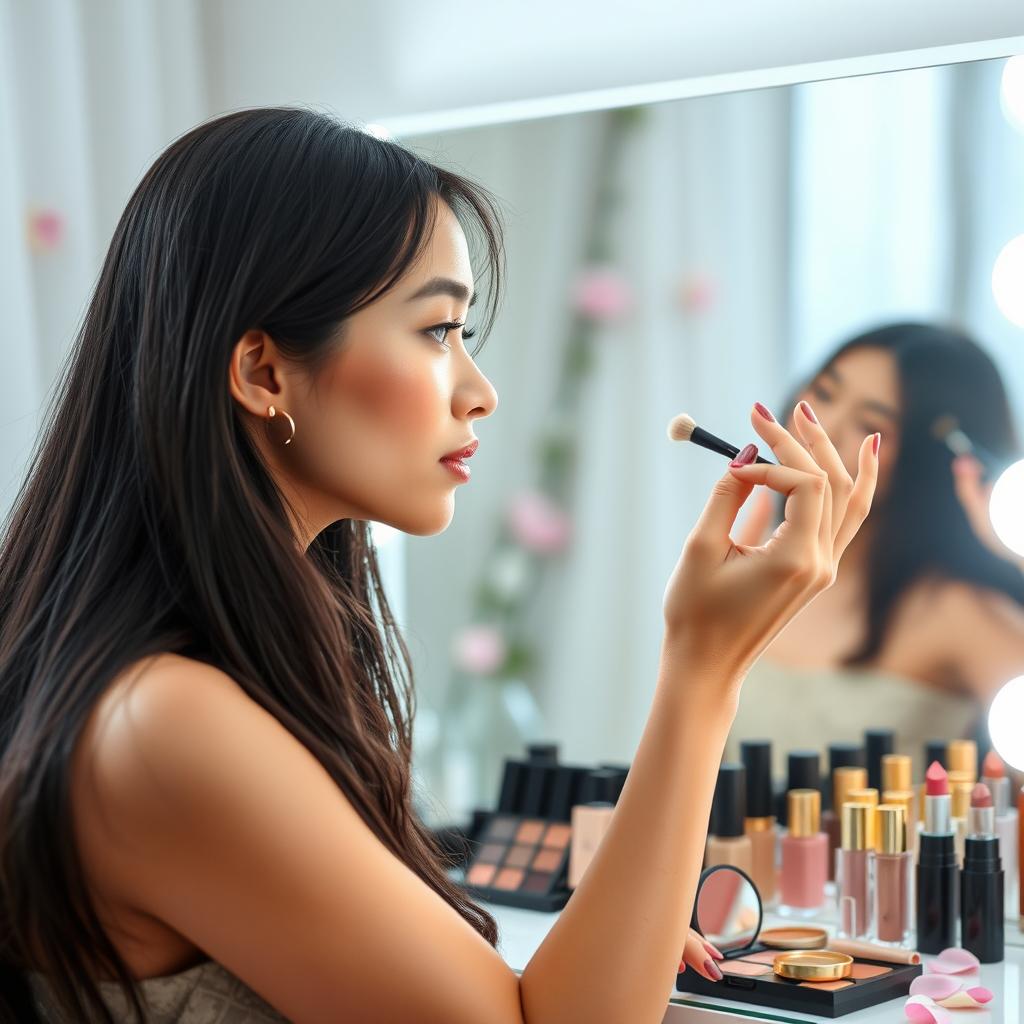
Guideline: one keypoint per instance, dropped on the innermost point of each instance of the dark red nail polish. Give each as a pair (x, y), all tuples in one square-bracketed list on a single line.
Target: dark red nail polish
[(876, 442), (746, 456), (808, 412), (764, 412)]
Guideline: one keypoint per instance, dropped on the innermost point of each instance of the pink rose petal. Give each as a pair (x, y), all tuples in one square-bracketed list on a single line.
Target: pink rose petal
[(980, 994), (954, 961), (935, 986), (923, 1010)]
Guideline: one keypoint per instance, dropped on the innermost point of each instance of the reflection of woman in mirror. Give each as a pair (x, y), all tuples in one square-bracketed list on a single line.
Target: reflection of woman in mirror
[(206, 715), (926, 619)]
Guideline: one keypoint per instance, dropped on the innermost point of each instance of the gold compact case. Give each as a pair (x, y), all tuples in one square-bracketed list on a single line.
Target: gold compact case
[(820, 965), (794, 938)]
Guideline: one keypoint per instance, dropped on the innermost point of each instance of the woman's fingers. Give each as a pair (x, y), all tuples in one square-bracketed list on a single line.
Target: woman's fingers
[(700, 958), (805, 497), (758, 522), (820, 446), (863, 493), (790, 452)]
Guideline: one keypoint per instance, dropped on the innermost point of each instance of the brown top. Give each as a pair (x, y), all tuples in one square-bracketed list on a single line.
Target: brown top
[(206, 993)]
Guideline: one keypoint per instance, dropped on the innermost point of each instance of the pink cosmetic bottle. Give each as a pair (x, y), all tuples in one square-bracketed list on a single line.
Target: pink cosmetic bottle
[(853, 884), (893, 872), (804, 856)]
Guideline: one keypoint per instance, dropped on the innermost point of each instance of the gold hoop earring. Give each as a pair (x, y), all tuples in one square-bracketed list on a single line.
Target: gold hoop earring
[(273, 412)]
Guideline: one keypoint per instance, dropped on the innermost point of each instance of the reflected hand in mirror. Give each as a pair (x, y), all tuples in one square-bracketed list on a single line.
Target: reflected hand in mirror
[(728, 908)]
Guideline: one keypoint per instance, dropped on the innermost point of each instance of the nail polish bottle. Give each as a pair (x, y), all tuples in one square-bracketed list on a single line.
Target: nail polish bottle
[(759, 823), (804, 856), (844, 779), (728, 842), (803, 771), (907, 799), (870, 797), (893, 871), (853, 883)]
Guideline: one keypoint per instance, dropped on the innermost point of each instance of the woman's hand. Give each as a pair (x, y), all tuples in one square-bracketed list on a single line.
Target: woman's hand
[(700, 955), (726, 601), (974, 496)]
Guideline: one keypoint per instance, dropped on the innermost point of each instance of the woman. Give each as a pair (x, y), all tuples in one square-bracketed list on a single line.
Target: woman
[(206, 709), (927, 620)]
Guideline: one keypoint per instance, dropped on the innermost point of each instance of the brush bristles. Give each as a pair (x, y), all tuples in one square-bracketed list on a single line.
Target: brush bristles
[(681, 428)]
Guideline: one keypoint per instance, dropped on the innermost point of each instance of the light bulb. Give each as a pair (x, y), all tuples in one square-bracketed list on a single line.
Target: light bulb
[(1004, 718), (1006, 507), (1007, 275)]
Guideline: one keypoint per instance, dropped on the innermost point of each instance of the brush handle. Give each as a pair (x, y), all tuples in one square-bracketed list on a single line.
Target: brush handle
[(715, 444)]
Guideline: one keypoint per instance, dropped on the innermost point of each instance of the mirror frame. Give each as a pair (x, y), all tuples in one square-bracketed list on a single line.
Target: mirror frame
[(704, 876)]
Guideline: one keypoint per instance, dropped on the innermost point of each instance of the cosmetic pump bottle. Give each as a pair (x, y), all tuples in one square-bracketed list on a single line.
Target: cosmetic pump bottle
[(759, 823), (853, 872), (844, 779), (993, 774), (591, 819), (728, 842), (804, 856), (877, 743), (981, 883), (893, 864)]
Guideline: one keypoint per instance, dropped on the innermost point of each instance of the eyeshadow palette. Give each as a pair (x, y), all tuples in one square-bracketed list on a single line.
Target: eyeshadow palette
[(521, 862), (749, 978)]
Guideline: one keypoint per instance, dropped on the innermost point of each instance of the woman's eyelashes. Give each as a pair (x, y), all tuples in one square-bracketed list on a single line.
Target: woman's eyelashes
[(450, 325)]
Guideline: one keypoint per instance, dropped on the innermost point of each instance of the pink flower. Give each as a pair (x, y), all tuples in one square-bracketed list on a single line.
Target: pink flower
[(538, 523), (479, 650), (601, 293), (45, 229), (697, 293)]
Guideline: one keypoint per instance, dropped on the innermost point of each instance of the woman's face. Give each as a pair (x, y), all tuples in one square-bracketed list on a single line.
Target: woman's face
[(859, 394), (399, 393)]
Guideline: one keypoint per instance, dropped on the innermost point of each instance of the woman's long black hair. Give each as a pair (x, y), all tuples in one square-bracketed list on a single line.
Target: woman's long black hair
[(149, 523), (919, 528)]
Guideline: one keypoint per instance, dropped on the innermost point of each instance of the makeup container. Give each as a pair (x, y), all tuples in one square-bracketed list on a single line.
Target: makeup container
[(962, 756), (542, 753), (937, 881), (960, 786), (853, 882), (794, 968), (934, 750), (803, 771), (841, 755), (844, 779), (869, 797), (897, 772), (907, 799), (520, 852), (993, 774), (877, 743), (804, 856), (759, 823), (981, 883), (592, 817), (728, 842), (893, 865)]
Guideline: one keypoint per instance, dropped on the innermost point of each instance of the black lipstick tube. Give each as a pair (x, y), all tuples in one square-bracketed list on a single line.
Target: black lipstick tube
[(937, 892), (981, 899)]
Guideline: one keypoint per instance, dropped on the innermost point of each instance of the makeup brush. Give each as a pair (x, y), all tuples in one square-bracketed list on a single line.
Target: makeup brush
[(946, 429), (684, 428)]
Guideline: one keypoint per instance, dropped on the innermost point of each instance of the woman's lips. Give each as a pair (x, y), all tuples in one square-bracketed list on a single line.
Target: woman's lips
[(457, 466)]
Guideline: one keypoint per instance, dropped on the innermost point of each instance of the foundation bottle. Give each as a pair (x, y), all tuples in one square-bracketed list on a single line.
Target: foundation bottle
[(844, 779), (728, 842), (853, 883), (590, 820), (892, 877), (804, 856), (759, 823)]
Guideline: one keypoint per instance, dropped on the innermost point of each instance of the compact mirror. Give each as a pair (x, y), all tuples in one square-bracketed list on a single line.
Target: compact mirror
[(727, 911)]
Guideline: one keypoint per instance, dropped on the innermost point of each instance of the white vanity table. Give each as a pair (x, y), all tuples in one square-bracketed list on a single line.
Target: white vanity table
[(521, 932)]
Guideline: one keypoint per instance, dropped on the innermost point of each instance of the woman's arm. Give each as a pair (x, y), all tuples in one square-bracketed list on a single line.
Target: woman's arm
[(196, 807)]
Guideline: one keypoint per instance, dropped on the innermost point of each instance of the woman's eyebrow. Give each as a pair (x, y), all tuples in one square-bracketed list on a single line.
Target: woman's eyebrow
[(444, 286), (885, 410)]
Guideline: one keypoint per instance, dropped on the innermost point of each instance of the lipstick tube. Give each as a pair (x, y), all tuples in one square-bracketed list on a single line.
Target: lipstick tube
[(937, 872), (981, 884)]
